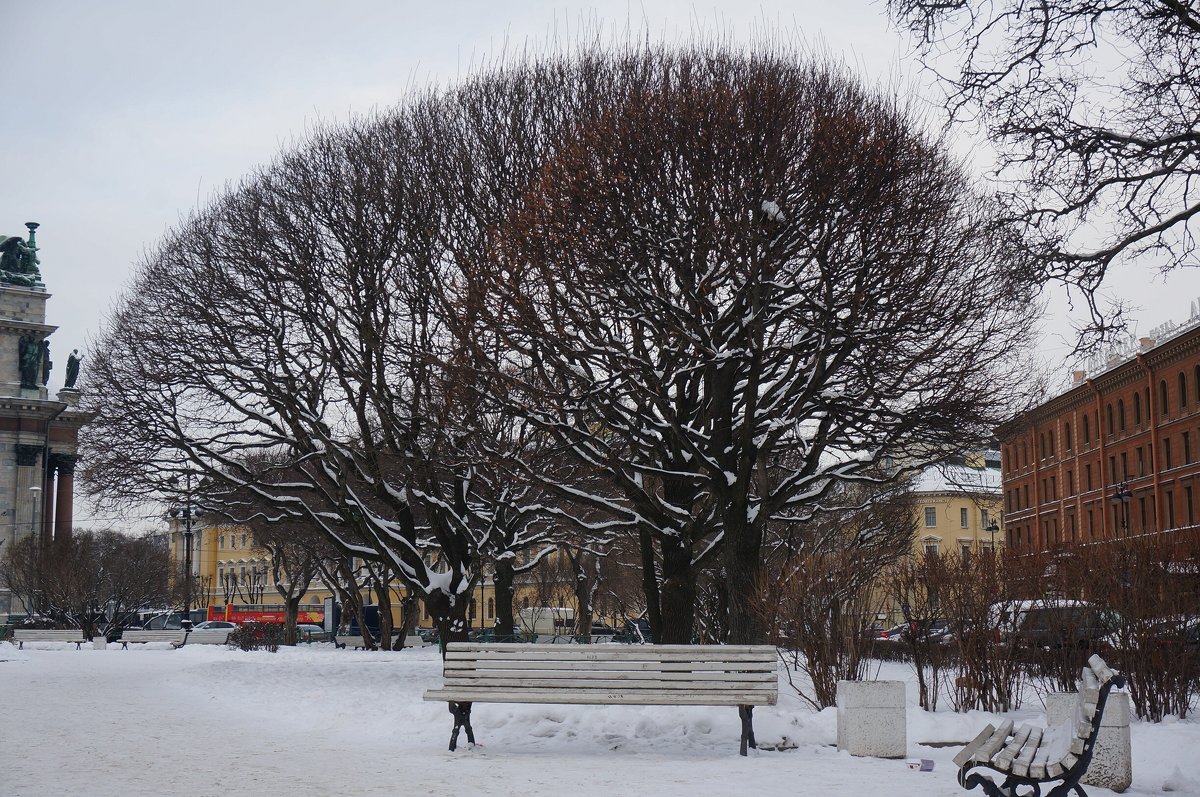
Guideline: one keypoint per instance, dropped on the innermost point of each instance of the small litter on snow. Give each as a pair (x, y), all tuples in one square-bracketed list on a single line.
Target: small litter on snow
[(922, 764)]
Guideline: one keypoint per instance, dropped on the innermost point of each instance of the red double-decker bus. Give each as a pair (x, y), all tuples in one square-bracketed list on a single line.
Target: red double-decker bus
[(266, 613)]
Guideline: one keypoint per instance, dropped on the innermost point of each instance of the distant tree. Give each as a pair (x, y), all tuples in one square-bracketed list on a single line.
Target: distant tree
[(92, 580), (1093, 107)]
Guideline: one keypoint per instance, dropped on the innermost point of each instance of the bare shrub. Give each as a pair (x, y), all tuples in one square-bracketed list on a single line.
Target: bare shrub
[(257, 636)]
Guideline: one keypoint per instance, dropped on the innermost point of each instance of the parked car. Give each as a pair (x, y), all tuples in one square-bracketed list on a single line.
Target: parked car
[(311, 632), (1053, 623), (215, 625)]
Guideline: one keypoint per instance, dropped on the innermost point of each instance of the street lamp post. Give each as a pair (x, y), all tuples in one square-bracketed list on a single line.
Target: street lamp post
[(1122, 495), (35, 496), (992, 528), (186, 621)]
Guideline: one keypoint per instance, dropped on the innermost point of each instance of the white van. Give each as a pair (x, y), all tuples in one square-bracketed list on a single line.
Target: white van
[(546, 621)]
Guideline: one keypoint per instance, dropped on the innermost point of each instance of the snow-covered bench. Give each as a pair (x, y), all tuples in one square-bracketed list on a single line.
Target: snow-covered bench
[(23, 635), (138, 637), (203, 637), (1030, 756), (625, 675)]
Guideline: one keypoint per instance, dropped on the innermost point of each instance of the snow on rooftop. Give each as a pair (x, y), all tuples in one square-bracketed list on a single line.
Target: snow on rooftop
[(957, 478)]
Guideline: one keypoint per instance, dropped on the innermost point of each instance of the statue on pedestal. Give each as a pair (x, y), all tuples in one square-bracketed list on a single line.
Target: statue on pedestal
[(19, 260), (73, 362), (29, 359)]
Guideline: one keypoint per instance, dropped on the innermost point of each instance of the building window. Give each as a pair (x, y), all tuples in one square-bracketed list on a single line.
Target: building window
[(1087, 474), (1124, 465), (471, 610), (1051, 435), (931, 548), (1142, 513), (1053, 488), (1091, 525), (964, 550), (1141, 462), (1121, 413), (1162, 398), (984, 517), (243, 540), (1167, 453), (1042, 445), (1182, 390), (221, 543), (1170, 498), (1137, 409), (1070, 482), (1087, 431), (1187, 448), (1110, 420), (930, 517), (963, 521), (491, 604), (1187, 499), (1112, 470)]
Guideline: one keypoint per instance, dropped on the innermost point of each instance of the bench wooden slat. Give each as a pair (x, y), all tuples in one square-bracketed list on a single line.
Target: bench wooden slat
[(597, 683), (967, 753), (648, 658), (706, 676), (616, 650), (1004, 758), (635, 697), (1021, 764), (643, 666)]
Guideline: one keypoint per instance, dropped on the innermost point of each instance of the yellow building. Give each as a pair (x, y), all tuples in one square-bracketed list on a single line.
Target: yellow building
[(959, 506)]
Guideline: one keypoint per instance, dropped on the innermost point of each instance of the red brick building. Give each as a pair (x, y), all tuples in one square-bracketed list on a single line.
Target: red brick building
[(1115, 456)]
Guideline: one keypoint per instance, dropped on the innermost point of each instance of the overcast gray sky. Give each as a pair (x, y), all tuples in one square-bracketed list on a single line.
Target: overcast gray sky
[(120, 116)]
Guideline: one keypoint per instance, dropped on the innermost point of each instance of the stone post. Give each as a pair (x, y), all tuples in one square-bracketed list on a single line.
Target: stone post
[(1112, 757), (871, 719)]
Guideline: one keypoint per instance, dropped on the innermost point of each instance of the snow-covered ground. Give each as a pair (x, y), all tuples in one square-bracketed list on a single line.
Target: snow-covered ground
[(319, 721)]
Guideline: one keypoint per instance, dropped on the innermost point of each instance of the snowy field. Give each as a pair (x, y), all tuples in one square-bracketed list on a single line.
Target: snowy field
[(318, 721)]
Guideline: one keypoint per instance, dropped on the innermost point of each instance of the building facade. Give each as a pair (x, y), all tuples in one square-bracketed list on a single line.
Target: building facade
[(1115, 456), (959, 507), (38, 432)]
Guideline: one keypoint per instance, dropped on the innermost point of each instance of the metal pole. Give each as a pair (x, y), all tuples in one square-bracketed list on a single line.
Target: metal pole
[(186, 622), (36, 546)]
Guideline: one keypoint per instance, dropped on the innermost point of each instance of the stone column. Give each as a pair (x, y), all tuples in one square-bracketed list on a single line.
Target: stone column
[(27, 476), (47, 523), (64, 495)]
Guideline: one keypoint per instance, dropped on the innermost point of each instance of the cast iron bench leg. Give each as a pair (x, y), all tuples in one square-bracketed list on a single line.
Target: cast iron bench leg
[(462, 719), (747, 715)]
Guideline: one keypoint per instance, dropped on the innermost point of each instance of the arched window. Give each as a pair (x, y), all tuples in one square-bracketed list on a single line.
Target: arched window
[(1087, 431), (1110, 419), (1042, 445), (1182, 390), (1067, 436), (1162, 398), (1121, 413), (491, 607), (1137, 409)]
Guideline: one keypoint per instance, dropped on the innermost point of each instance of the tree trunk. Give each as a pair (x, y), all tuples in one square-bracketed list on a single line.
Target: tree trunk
[(506, 620), (650, 581), (383, 597), (678, 598), (450, 617), (742, 555), (291, 609)]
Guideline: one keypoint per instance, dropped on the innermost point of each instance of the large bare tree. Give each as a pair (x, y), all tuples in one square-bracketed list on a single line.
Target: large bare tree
[(744, 282), (1093, 107)]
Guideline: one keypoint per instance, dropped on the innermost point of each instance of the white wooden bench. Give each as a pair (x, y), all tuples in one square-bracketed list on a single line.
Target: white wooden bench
[(623, 675), (203, 637), (138, 637), (23, 635), (1030, 755)]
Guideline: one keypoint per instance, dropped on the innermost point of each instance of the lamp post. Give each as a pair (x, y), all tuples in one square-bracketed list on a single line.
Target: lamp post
[(186, 621), (992, 528), (1122, 495), (35, 496)]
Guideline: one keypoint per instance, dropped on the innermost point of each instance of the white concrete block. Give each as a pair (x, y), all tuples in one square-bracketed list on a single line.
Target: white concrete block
[(871, 718), (1112, 757)]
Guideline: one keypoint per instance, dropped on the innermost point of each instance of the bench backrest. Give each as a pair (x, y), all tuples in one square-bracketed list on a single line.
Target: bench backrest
[(151, 636), (207, 637), (718, 675), (37, 635)]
